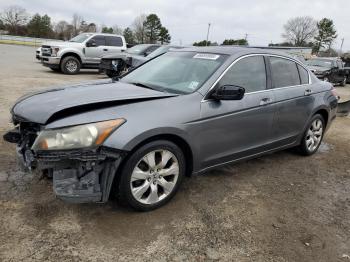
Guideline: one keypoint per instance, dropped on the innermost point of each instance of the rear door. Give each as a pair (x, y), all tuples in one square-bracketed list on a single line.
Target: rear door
[(292, 90), (94, 53), (237, 128)]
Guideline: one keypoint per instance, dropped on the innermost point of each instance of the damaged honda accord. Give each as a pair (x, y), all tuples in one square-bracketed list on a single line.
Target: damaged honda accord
[(182, 113)]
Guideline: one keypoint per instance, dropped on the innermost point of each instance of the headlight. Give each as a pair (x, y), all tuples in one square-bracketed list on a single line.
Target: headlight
[(54, 50), (76, 136)]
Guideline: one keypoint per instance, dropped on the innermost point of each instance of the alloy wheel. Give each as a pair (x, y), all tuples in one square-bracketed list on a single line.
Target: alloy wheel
[(71, 66), (314, 135), (154, 176)]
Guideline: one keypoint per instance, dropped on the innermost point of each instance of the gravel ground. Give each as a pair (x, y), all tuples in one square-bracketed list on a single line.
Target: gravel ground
[(281, 207)]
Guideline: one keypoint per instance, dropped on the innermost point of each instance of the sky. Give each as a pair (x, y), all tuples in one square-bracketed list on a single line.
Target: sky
[(187, 20)]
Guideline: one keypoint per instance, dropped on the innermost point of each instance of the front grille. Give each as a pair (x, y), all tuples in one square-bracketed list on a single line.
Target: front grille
[(46, 50)]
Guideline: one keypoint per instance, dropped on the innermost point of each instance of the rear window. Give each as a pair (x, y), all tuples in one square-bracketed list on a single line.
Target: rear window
[(114, 41), (304, 75), (284, 72)]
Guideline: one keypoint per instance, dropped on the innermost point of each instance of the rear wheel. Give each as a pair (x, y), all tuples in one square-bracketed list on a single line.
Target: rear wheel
[(313, 136), (151, 175), (70, 65)]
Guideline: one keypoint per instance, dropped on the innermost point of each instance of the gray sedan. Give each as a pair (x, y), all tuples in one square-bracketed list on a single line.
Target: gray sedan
[(182, 113)]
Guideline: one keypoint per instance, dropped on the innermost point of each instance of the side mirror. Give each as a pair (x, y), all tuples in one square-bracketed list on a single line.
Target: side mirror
[(228, 92), (91, 43)]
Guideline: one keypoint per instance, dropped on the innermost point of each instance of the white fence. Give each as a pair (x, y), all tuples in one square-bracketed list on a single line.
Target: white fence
[(24, 40)]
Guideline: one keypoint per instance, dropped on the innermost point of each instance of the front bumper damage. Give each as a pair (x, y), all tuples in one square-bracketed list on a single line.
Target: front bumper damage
[(79, 176)]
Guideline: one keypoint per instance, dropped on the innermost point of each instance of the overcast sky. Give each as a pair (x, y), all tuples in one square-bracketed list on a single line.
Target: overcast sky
[(187, 20)]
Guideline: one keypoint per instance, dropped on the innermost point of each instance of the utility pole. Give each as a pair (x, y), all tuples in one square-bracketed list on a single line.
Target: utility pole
[(341, 46), (207, 34)]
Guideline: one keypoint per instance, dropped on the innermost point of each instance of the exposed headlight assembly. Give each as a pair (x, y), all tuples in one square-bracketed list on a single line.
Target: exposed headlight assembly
[(54, 50), (74, 137)]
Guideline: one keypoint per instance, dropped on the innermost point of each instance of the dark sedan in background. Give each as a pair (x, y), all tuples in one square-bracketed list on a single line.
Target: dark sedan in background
[(329, 69), (117, 64), (186, 111)]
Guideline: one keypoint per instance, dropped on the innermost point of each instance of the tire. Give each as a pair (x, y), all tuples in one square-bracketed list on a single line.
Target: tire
[(313, 136), (55, 69), (345, 80), (111, 73), (141, 188), (70, 65)]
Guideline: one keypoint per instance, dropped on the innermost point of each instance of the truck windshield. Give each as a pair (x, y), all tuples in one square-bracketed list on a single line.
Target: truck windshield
[(176, 72), (320, 63), (80, 38)]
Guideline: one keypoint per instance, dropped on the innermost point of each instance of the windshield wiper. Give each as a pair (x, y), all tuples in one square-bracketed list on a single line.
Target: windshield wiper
[(144, 86)]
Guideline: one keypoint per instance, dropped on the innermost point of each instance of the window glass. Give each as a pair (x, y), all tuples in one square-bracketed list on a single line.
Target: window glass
[(304, 75), (284, 72), (249, 73), (99, 39), (176, 72), (114, 41)]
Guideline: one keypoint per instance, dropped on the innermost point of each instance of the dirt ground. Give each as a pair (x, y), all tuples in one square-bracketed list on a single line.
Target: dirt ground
[(281, 207)]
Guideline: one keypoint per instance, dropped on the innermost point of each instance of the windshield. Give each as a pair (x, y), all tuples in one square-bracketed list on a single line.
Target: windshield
[(176, 72), (320, 63), (137, 49), (80, 38)]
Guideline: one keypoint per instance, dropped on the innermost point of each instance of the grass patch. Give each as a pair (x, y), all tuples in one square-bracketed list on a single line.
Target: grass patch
[(15, 42)]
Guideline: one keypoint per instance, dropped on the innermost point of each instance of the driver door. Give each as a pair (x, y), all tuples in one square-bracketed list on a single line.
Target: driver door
[(93, 54), (234, 129)]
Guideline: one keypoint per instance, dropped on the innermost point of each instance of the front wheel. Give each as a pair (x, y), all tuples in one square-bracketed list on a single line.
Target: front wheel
[(313, 136), (70, 65), (151, 175)]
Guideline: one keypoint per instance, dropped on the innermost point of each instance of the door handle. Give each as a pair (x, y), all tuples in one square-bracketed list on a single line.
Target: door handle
[(105, 49), (265, 101), (307, 92)]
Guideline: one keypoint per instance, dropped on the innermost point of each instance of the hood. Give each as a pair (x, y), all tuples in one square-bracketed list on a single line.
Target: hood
[(318, 69), (40, 107)]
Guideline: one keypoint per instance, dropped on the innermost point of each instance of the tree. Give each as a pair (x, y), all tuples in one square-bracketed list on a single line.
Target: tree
[(300, 30), (108, 30), (152, 28), (117, 30), (139, 28), (202, 43), (235, 42), (129, 35), (61, 30), (164, 36), (282, 44), (39, 26), (76, 23), (326, 34), (13, 17), (2, 25)]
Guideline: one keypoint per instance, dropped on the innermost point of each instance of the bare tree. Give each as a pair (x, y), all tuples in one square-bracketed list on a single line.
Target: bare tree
[(117, 30), (76, 22), (61, 30), (14, 16), (300, 30), (139, 28)]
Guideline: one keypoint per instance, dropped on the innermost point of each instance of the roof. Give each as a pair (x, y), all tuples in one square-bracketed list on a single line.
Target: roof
[(233, 50)]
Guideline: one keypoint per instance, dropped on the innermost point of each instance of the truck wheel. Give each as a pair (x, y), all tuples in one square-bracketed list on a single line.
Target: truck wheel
[(111, 73), (313, 136), (70, 65), (345, 80), (151, 175)]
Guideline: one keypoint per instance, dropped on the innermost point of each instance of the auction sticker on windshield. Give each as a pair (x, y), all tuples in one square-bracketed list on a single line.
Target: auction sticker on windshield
[(206, 56)]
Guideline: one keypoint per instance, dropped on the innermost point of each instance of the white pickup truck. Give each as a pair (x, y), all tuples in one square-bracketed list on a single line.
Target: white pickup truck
[(82, 51)]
